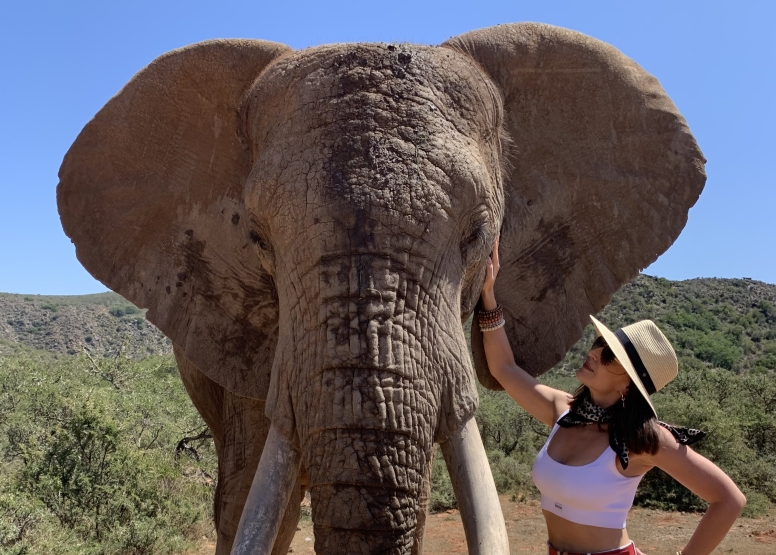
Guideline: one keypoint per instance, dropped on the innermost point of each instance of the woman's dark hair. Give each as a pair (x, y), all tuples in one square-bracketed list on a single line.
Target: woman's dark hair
[(635, 422)]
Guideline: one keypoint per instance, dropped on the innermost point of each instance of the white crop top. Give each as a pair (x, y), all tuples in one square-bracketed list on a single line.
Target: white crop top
[(595, 494)]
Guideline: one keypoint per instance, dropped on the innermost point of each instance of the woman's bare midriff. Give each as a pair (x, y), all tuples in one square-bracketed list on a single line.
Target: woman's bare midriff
[(565, 535)]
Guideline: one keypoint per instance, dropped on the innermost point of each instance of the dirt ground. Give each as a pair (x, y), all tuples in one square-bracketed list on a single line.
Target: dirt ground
[(654, 532)]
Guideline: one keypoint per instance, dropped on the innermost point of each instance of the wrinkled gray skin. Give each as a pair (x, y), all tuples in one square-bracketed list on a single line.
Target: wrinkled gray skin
[(366, 231), (366, 234), (311, 228)]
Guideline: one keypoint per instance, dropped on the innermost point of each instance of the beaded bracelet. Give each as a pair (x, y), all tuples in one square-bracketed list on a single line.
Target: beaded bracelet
[(491, 320)]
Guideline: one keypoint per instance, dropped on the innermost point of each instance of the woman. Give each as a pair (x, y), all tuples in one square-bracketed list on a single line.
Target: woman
[(588, 474)]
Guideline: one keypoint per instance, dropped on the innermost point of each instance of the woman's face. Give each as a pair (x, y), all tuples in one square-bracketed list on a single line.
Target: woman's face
[(602, 373)]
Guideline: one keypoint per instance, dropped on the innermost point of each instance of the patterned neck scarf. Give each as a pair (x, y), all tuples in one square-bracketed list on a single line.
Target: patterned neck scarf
[(590, 413)]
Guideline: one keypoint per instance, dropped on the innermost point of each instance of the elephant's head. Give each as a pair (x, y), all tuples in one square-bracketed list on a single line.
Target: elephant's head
[(311, 228)]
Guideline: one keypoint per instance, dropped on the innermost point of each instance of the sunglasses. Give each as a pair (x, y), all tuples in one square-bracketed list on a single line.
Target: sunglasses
[(607, 356)]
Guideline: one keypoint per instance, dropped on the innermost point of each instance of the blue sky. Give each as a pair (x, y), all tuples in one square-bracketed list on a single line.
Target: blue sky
[(61, 61)]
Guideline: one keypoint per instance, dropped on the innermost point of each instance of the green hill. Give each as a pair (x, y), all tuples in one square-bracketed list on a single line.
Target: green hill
[(723, 323)]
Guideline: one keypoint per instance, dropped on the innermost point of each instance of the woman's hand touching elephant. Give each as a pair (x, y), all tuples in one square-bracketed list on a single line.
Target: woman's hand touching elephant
[(488, 296)]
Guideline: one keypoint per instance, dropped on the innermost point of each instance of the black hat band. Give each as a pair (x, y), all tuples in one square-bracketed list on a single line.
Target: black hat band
[(634, 357)]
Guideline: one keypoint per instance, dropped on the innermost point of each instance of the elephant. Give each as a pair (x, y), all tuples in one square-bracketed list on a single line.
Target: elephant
[(311, 230)]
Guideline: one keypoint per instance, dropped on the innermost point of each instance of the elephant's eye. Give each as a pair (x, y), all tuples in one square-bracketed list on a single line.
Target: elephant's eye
[(478, 234), (257, 239), (473, 243)]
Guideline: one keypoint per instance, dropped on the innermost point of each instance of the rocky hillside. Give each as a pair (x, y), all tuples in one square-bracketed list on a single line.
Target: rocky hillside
[(102, 324), (725, 323)]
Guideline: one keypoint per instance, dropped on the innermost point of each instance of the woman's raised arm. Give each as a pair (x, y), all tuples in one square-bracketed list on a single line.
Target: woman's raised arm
[(544, 403)]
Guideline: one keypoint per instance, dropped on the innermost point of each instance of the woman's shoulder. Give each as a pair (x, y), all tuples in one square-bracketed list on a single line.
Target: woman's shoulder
[(670, 452), (640, 463), (666, 440)]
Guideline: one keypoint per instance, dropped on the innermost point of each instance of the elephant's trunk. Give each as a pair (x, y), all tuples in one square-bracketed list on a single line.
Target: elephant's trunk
[(378, 371), (366, 477)]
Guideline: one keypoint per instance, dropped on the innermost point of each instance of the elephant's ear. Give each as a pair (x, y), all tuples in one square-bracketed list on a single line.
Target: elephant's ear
[(604, 171), (151, 195)]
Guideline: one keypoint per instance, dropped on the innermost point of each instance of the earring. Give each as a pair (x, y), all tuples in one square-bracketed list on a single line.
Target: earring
[(622, 398)]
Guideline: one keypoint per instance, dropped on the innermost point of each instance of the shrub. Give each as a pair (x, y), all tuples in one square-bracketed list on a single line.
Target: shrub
[(768, 311), (80, 472), (511, 475), (767, 362), (119, 311), (739, 412), (442, 496), (91, 468), (19, 514)]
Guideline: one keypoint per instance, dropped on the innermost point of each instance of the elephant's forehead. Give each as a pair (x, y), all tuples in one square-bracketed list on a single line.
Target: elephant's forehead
[(396, 118), (379, 83)]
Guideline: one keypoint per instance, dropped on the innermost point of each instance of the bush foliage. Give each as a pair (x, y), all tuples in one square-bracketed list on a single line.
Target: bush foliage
[(89, 458)]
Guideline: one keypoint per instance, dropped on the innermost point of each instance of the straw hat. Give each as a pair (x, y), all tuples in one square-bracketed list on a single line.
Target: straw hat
[(644, 352)]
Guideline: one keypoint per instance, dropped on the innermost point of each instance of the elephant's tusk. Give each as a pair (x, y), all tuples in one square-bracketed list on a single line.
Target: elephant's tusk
[(483, 521), (270, 492)]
